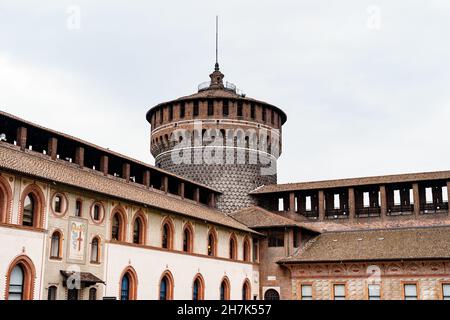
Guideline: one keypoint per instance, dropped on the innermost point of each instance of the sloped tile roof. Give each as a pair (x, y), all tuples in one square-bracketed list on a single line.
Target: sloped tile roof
[(41, 166), (256, 217), (379, 245), (103, 150), (83, 276), (352, 182)]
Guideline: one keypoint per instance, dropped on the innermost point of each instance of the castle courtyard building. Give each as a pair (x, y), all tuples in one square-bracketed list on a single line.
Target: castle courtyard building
[(209, 221)]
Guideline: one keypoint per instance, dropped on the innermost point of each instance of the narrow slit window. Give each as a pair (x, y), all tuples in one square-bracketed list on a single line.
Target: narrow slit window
[(411, 197), (182, 110), (225, 109), (78, 208), (170, 113), (210, 108), (239, 109), (195, 111)]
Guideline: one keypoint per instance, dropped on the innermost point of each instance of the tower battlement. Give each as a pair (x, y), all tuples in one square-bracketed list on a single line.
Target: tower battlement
[(219, 137)]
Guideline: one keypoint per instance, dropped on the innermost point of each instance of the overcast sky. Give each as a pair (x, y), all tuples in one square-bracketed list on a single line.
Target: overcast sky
[(365, 84)]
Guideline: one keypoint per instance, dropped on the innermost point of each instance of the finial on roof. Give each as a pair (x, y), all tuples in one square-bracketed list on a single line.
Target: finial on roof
[(216, 66)]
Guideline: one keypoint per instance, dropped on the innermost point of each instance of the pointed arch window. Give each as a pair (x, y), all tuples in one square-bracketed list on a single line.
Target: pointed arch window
[(188, 238), (95, 250), (225, 289), (128, 284), (233, 247), (55, 245), (118, 223), (198, 288), (163, 289), (125, 288), (137, 231), (167, 235), (166, 287), (246, 250), (139, 228), (246, 290), (212, 244), (16, 283), (29, 210)]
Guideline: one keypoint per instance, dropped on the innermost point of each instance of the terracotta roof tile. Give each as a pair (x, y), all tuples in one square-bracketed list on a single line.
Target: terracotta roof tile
[(41, 166), (83, 276), (370, 245), (104, 150), (257, 217), (352, 182)]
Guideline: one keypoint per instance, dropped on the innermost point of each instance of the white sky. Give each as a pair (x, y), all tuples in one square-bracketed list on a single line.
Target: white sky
[(360, 100)]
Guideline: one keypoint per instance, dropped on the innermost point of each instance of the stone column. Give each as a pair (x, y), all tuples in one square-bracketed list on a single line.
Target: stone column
[(126, 171), (21, 139), (146, 178), (181, 190), (292, 202), (79, 156), (165, 184), (197, 195), (321, 205), (416, 198), (52, 148), (351, 204), (383, 203), (104, 164), (212, 200), (288, 243)]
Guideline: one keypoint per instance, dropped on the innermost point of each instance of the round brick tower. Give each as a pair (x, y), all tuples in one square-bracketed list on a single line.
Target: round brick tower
[(219, 137)]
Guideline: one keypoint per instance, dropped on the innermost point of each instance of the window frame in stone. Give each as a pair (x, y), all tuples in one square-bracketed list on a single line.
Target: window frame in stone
[(56, 245)]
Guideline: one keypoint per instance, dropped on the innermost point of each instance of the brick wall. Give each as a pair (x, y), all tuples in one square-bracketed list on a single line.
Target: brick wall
[(428, 275)]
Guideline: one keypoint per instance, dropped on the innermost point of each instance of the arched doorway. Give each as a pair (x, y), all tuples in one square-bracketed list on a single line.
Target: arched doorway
[(271, 294)]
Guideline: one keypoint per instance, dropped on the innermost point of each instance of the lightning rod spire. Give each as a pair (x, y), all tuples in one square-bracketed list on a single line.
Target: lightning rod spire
[(216, 67)]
